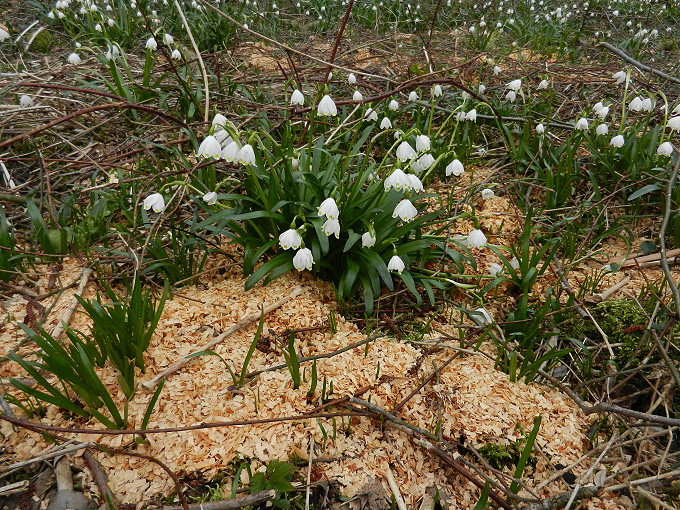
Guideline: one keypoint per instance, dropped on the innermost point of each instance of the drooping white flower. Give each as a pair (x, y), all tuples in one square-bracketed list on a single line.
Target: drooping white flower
[(676, 110), (176, 55), (620, 77), (422, 163), (482, 88), (487, 193), (394, 106), (327, 107), (437, 90), (4, 35), (210, 148), (603, 112), (218, 122), (329, 209), (230, 151), (25, 100), (511, 96), (397, 180), (74, 59), (471, 115), (246, 156), (371, 115), (455, 168), (331, 227), (296, 98), (367, 240), (646, 105), (386, 123), (515, 85), (210, 198), (540, 129), (303, 259), (290, 239), (405, 152), (514, 263), (495, 269), (151, 44), (351, 79), (294, 163), (617, 141), (415, 183), (422, 143), (543, 85), (357, 96), (665, 149), (476, 239), (636, 104), (581, 124), (396, 264), (168, 39), (155, 201), (413, 96), (602, 129), (674, 123), (496, 70), (405, 210)]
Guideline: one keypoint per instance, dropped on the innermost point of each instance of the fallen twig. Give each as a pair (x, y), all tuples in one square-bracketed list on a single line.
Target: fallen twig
[(639, 65), (101, 479), (559, 500), (427, 440), (68, 313), (605, 294), (45, 456), (230, 504), (394, 488), (249, 319)]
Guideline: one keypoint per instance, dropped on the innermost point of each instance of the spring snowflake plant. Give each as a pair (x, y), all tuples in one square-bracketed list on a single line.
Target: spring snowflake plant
[(326, 207)]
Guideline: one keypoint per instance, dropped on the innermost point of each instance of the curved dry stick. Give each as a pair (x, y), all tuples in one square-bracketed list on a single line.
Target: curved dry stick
[(37, 427), (95, 92), (427, 440), (639, 65), (73, 115)]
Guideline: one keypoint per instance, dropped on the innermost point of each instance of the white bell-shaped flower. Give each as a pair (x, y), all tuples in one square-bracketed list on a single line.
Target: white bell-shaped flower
[(405, 210), (476, 239), (210, 148), (246, 156), (422, 143), (581, 124), (155, 201), (326, 107), (303, 259), (617, 141), (329, 209), (665, 149), (455, 168), (367, 240), (296, 98), (396, 264), (405, 152), (290, 239), (331, 227), (397, 180)]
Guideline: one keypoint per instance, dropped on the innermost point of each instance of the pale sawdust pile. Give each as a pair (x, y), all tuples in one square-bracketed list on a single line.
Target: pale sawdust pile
[(476, 400)]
